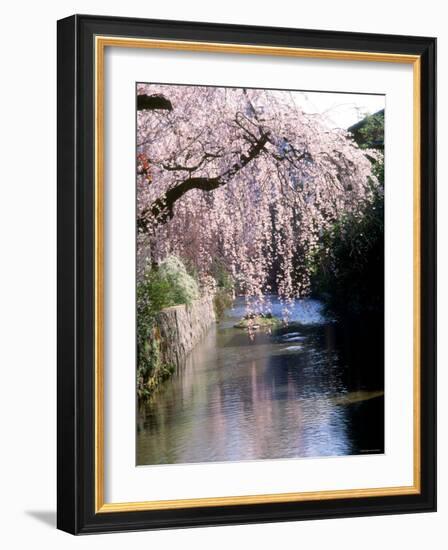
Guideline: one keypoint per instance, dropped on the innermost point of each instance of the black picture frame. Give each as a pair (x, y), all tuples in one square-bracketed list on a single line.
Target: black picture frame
[(76, 275)]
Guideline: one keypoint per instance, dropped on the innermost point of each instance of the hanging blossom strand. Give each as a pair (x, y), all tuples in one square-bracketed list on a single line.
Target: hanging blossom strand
[(243, 176)]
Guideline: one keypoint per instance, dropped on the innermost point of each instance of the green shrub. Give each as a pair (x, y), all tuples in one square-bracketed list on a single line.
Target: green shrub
[(222, 276), (349, 265), (182, 287), (222, 300), (165, 286), (224, 293)]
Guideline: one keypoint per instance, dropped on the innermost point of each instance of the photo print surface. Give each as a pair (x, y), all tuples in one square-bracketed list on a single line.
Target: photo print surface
[(260, 274)]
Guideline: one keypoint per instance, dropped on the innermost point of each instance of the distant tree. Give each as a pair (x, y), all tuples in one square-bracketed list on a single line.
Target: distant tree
[(369, 132)]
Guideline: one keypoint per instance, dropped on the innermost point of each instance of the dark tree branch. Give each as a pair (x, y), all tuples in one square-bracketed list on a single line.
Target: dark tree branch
[(161, 209), (153, 103), (238, 121), (190, 169)]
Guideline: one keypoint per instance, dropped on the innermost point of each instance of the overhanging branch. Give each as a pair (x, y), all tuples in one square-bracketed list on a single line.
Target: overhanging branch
[(161, 210), (153, 103)]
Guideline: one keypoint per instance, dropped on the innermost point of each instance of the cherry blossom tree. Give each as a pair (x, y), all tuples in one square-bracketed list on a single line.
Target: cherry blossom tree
[(243, 176)]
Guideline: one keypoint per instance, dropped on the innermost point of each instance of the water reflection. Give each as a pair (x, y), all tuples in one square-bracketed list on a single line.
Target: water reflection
[(284, 395)]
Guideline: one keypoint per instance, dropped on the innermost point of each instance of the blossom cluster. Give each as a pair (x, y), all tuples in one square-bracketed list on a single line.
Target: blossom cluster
[(247, 178)]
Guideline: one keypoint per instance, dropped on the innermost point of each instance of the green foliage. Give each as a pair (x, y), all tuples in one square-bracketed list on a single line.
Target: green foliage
[(222, 300), (148, 353), (349, 265), (348, 268), (174, 283), (369, 132), (165, 286), (224, 293), (222, 276)]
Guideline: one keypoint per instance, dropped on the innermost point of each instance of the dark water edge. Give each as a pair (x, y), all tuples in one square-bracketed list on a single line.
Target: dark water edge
[(367, 423), (313, 389)]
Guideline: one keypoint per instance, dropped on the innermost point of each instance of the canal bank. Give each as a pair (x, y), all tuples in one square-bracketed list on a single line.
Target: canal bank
[(175, 332), (180, 328)]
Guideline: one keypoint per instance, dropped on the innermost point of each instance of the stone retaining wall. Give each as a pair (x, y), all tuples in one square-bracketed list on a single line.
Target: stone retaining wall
[(180, 328)]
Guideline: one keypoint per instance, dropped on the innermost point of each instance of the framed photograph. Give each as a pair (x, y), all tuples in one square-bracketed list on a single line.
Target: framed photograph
[(246, 274)]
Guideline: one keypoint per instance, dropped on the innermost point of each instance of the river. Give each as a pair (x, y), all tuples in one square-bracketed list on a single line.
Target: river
[(303, 391)]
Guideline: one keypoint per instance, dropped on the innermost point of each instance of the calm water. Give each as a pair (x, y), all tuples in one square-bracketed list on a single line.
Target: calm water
[(303, 391)]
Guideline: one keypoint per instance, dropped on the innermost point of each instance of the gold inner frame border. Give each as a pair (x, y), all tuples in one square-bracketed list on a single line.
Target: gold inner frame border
[(100, 44)]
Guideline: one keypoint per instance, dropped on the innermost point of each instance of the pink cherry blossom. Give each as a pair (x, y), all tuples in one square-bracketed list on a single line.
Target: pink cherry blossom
[(246, 177)]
